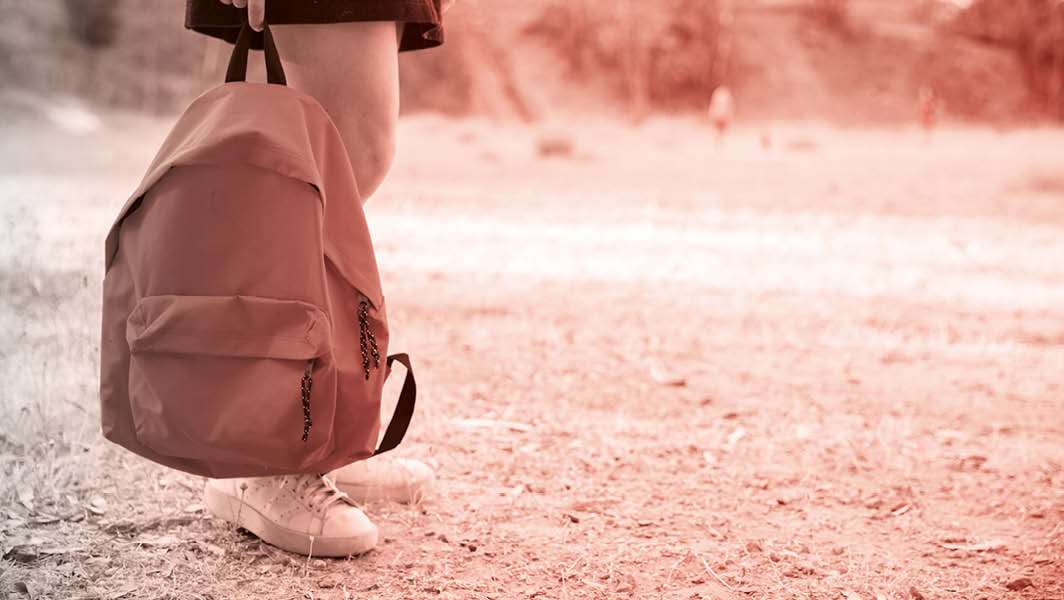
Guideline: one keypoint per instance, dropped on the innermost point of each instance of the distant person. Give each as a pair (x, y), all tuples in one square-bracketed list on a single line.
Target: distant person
[(721, 109), (928, 104), (344, 53)]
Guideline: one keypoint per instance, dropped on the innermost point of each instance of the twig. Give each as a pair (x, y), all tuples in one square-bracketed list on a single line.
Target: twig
[(711, 572), (668, 579)]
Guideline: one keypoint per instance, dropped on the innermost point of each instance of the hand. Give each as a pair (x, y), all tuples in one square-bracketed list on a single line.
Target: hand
[(256, 11)]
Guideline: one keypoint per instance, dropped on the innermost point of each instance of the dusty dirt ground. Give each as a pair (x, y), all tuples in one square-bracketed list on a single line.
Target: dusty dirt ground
[(650, 367)]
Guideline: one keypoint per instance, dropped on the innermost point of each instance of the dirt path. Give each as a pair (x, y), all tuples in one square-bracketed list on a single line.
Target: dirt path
[(652, 369)]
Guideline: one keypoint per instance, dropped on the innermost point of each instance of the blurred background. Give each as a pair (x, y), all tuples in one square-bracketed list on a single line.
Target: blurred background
[(850, 61)]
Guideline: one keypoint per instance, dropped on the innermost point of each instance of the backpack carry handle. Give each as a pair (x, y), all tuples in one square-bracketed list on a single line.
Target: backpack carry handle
[(238, 62)]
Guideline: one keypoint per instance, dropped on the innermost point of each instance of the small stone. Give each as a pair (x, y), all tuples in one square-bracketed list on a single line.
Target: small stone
[(1020, 584), (330, 581)]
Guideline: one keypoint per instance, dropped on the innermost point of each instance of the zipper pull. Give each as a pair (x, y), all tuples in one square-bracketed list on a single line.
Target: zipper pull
[(366, 335), (304, 391)]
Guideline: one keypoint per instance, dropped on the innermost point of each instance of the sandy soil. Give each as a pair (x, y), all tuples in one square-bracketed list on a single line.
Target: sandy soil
[(651, 367)]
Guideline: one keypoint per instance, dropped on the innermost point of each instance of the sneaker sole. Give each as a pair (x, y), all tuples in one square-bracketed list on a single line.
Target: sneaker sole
[(232, 509)]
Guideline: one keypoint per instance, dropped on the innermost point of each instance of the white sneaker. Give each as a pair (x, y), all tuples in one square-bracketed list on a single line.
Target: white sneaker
[(384, 478), (305, 514)]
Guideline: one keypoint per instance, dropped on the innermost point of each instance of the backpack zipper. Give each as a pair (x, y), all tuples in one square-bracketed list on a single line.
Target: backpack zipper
[(304, 391), (366, 336), (367, 344)]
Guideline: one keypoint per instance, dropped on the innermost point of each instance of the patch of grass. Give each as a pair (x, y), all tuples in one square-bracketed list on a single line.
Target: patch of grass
[(554, 147), (1049, 182)]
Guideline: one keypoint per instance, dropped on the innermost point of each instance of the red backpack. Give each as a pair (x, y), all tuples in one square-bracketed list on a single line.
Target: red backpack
[(244, 328)]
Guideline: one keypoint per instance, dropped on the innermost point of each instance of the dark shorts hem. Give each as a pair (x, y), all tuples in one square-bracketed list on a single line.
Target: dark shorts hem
[(423, 29)]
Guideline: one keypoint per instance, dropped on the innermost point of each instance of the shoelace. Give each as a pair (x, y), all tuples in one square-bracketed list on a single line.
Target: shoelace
[(319, 492)]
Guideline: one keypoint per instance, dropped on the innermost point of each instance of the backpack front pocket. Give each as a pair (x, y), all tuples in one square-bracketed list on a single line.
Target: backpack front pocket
[(241, 379)]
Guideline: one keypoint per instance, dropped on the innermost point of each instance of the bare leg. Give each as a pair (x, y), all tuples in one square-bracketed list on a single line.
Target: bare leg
[(352, 69)]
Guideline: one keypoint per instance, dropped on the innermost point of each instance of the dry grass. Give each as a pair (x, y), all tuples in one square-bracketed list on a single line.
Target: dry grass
[(1046, 182), (668, 370)]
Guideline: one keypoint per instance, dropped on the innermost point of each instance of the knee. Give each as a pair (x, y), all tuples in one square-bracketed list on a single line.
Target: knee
[(371, 149), (352, 70)]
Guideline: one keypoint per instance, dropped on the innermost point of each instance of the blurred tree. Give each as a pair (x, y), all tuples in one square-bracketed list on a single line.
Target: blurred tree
[(1035, 30), (94, 23), (669, 54), (835, 14)]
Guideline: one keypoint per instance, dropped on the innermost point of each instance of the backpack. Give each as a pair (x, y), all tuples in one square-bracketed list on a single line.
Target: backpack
[(243, 328)]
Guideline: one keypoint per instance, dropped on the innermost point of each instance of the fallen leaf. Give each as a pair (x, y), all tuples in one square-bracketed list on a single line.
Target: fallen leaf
[(12, 524), (331, 581), (121, 593), (661, 375), (25, 495), (161, 540), (901, 509), (97, 506), (978, 547), (211, 548), (56, 550), (22, 554), (734, 437), (43, 519), (972, 462), (493, 424)]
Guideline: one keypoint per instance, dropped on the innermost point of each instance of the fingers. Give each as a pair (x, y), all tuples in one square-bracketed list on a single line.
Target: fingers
[(256, 13)]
